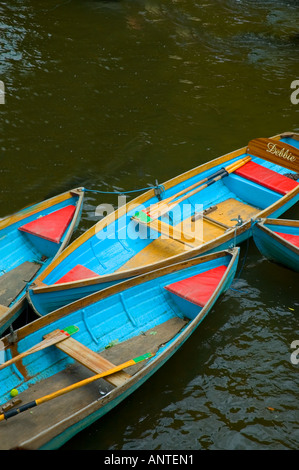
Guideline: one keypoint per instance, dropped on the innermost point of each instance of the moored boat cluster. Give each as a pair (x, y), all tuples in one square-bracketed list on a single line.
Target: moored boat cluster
[(111, 310)]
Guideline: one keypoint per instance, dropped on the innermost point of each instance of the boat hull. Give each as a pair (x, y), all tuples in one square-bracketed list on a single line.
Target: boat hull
[(160, 327), (269, 237)]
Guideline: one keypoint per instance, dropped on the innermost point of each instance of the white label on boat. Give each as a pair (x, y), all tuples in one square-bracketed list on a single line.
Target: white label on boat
[(294, 358), (295, 94), (2, 93)]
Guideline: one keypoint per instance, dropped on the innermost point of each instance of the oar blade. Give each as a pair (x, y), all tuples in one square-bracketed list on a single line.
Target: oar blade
[(52, 338)]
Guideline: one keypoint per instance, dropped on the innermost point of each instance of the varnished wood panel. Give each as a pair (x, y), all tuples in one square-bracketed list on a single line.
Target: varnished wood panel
[(90, 359)]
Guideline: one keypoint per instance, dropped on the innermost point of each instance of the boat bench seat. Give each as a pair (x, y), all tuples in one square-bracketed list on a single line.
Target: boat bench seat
[(198, 289), (51, 226), (184, 236), (90, 359), (77, 273), (293, 239), (266, 177)]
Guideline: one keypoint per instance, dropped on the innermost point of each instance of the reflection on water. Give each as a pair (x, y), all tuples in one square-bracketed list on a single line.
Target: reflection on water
[(114, 95)]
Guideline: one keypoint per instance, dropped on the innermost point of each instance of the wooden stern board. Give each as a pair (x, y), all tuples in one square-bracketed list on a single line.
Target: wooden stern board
[(276, 152), (92, 360), (14, 281)]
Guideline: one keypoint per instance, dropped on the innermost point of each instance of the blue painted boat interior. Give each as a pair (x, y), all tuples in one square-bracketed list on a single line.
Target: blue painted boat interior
[(290, 229), (114, 318), (110, 249)]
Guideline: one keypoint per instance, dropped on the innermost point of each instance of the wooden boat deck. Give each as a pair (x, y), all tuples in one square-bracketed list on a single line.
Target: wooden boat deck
[(15, 432), (214, 225), (228, 211)]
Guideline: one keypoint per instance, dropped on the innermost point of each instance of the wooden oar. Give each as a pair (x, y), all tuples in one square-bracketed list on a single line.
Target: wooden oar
[(195, 185), (62, 391), (54, 338), (159, 212)]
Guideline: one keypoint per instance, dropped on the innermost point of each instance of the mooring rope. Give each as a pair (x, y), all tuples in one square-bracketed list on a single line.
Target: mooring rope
[(159, 187)]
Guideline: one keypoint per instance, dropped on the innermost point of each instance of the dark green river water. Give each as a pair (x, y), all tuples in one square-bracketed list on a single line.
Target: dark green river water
[(114, 95)]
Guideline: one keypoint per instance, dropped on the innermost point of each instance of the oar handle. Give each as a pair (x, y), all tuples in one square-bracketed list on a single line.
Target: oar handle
[(16, 411), (221, 173), (232, 168), (199, 183)]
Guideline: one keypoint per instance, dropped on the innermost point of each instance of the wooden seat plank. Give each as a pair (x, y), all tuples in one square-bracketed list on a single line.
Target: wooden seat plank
[(183, 236), (15, 280), (156, 251), (163, 248), (3, 309), (92, 360)]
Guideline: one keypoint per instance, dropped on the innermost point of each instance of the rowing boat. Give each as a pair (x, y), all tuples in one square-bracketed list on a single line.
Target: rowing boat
[(29, 241), (278, 241), (74, 365), (206, 209)]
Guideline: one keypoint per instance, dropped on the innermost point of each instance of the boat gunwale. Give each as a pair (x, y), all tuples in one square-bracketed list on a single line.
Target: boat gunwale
[(32, 209), (19, 304), (275, 236)]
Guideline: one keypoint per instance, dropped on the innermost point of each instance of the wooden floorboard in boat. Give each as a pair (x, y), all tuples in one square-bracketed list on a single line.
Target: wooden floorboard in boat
[(232, 209), (148, 341), (37, 420), (163, 248), (157, 250), (209, 230), (14, 281)]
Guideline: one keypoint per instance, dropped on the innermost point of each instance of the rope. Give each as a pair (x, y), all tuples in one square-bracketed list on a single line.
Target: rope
[(159, 187), (293, 176), (237, 277)]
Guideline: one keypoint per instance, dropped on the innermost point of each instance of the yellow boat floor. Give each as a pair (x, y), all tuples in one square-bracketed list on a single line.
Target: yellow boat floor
[(228, 211), (163, 247)]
